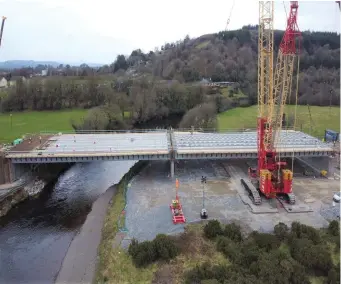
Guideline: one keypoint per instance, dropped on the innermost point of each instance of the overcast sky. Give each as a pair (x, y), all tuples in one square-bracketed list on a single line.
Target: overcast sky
[(96, 31)]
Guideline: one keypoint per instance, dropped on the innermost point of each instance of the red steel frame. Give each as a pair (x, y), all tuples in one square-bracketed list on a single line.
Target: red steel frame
[(270, 182)]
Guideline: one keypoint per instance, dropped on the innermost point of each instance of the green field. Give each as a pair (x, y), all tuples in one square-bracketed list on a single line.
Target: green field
[(321, 118), (20, 123)]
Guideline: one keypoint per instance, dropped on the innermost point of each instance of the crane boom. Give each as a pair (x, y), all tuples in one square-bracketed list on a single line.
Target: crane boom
[(265, 77), (285, 68), (2, 28)]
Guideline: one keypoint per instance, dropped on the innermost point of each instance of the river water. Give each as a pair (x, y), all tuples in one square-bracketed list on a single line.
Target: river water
[(35, 236)]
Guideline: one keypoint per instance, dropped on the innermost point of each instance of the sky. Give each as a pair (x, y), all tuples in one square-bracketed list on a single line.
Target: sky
[(76, 31)]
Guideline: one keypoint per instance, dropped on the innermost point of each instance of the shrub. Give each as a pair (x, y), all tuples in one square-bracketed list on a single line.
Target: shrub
[(161, 248), (133, 247), (281, 231), (332, 277), (144, 254), (165, 247), (266, 241), (312, 256), (233, 232), (206, 273), (228, 248), (303, 231), (212, 229), (299, 275), (334, 228)]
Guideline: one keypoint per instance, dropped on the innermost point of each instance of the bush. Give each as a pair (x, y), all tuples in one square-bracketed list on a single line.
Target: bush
[(212, 229), (281, 231), (266, 241), (312, 256), (206, 273), (303, 231), (334, 228), (228, 248), (133, 247), (165, 247), (332, 277), (144, 254), (161, 248), (299, 275), (233, 232)]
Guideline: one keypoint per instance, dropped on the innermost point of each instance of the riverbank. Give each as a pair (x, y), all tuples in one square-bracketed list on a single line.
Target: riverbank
[(30, 185), (80, 261), (89, 249), (110, 253)]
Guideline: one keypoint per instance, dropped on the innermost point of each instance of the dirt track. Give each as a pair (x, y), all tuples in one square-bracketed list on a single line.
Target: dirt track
[(28, 145)]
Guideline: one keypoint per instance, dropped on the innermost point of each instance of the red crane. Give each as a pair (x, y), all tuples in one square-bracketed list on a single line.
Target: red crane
[(271, 178)]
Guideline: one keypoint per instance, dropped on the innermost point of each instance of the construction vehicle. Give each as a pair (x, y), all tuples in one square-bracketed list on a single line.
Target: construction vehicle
[(271, 178), (2, 28)]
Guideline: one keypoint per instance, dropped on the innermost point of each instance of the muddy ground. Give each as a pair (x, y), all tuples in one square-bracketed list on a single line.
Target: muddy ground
[(151, 192)]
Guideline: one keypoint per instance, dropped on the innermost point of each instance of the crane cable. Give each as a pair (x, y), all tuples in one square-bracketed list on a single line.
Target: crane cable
[(295, 109)]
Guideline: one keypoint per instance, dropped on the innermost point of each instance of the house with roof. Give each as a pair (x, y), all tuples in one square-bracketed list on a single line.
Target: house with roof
[(14, 80), (3, 83)]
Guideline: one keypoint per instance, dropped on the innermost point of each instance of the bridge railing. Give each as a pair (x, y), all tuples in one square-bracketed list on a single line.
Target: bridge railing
[(204, 130)]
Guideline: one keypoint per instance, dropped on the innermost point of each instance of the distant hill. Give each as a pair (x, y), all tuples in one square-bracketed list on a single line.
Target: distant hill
[(13, 64), (232, 56)]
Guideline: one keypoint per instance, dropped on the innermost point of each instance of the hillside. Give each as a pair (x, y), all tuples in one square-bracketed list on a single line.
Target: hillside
[(232, 56)]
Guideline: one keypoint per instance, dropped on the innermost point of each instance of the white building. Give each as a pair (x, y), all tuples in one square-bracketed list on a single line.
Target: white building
[(3, 83)]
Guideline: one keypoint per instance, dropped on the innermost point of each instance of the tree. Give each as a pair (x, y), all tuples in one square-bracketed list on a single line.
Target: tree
[(120, 63), (202, 116), (281, 231), (334, 228)]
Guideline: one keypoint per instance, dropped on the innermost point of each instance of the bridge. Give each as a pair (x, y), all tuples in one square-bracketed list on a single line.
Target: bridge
[(160, 145)]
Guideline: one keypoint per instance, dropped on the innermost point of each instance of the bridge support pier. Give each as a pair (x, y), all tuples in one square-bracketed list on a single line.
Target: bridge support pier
[(317, 164), (6, 170), (172, 167)]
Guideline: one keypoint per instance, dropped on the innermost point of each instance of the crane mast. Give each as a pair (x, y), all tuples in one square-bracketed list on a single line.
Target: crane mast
[(271, 178)]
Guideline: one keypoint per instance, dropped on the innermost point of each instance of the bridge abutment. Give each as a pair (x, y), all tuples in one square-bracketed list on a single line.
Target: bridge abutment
[(6, 170)]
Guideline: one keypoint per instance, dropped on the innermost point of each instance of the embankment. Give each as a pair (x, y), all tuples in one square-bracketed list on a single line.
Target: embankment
[(90, 247)]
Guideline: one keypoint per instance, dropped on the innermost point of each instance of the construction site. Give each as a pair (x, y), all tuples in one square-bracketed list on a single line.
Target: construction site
[(258, 193), (151, 192)]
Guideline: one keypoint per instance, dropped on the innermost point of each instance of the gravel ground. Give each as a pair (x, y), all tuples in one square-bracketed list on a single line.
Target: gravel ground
[(151, 192), (331, 213)]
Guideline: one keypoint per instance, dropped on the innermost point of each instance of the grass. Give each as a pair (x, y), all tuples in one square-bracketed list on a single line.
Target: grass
[(115, 265), (202, 44), (225, 93), (322, 118), (36, 121), (20, 123), (195, 251)]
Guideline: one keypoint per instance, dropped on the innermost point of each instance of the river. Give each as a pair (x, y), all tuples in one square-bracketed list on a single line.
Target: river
[(35, 236)]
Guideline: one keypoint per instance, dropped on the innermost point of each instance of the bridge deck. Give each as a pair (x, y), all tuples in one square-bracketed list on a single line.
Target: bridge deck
[(155, 145), (243, 141)]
